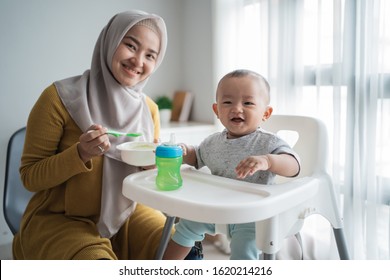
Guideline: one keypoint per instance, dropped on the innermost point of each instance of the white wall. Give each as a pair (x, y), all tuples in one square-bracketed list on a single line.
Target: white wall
[(46, 40), (197, 57)]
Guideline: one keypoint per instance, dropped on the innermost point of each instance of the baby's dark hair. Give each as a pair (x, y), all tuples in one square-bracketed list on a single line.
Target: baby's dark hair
[(243, 73)]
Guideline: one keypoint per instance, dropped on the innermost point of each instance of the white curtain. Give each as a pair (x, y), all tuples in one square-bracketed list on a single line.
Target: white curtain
[(329, 59)]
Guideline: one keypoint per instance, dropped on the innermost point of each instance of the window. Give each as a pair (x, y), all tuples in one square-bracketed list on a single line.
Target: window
[(329, 59)]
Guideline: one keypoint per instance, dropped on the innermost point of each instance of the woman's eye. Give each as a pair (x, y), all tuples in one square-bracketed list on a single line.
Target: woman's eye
[(130, 46), (151, 57)]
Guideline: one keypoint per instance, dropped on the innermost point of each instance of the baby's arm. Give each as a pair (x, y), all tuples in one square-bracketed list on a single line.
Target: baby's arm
[(280, 164), (189, 155)]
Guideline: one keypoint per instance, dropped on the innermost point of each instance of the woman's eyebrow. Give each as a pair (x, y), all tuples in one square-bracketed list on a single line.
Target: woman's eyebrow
[(137, 42)]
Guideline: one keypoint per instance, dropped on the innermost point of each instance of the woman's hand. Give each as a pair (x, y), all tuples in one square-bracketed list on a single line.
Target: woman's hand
[(93, 142)]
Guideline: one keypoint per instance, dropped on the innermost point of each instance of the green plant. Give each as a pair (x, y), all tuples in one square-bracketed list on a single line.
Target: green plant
[(164, 102)]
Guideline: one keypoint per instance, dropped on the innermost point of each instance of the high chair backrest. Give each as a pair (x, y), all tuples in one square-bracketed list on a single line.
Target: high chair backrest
[(311, 144)]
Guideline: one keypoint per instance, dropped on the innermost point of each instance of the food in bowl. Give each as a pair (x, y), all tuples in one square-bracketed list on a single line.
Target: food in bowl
[(138, 153)]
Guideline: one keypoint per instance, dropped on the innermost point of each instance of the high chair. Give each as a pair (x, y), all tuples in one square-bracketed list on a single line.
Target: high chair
[(278, 210)]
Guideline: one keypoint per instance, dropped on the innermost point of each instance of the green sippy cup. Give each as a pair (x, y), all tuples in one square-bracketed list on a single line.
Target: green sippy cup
[(169, 158)]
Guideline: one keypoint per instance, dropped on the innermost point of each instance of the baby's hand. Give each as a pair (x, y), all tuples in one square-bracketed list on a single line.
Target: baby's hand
[(252, 164), (184, 148), (189, 154)]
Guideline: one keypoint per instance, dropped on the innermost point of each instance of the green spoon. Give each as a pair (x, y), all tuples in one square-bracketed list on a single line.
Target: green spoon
[(117, 133)]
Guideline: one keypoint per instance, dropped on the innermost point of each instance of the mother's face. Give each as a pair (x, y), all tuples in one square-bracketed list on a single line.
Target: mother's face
[(135, 58)]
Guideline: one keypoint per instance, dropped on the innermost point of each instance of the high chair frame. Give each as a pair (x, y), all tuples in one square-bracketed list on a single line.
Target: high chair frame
[(278, 210)]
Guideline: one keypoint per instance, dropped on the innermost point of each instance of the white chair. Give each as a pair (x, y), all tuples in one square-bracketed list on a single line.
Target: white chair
[(278, 210)]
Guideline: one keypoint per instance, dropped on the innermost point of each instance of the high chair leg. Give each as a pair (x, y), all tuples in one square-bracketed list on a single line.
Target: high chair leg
[(341, 243), (268, 256), (166, 234)]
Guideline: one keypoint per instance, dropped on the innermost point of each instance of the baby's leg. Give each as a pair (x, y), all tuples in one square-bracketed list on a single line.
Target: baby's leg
[(243, 242), (187, 232)]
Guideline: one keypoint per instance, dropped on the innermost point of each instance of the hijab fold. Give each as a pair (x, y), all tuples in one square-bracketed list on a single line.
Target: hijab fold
[(96, 97)]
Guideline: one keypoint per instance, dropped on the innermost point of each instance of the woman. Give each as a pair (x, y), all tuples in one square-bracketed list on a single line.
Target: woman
[(78, 210)]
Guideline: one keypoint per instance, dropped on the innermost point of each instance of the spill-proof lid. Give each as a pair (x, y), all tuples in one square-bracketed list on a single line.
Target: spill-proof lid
[(169, 151)]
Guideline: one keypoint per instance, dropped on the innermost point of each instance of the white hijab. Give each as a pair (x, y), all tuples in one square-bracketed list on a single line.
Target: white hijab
[(97, 98)]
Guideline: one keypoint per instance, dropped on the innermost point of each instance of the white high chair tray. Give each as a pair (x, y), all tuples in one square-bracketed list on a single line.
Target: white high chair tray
[(213, 199)]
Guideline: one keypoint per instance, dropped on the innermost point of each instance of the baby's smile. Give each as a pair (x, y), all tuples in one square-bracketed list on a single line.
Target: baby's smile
[(237, 120)]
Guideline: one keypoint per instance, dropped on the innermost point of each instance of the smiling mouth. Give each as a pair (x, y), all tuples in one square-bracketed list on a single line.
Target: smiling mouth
[(129, 69), (237, 120)]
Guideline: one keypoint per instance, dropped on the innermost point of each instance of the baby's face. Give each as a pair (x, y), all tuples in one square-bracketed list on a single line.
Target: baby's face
[(242, 104)]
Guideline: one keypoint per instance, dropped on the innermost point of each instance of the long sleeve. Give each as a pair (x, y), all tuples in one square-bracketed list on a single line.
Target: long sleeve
[(50, 155)]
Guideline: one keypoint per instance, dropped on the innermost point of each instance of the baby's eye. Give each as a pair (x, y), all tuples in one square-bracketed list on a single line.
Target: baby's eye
[(248, 103), (226, 102)]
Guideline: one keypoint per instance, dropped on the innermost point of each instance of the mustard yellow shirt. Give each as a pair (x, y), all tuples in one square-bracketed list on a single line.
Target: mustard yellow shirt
[(59, 222)]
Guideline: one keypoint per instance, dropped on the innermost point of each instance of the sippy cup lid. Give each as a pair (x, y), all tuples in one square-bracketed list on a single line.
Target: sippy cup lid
[(168, 151)]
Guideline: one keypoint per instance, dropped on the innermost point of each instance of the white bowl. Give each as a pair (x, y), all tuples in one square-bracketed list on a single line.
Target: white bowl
[(138, 153)]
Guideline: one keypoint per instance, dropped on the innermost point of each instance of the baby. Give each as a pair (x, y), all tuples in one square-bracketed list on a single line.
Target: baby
[(241, 151)]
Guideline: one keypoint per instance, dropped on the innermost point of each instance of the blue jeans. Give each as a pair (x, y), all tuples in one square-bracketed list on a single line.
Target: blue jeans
[(196, 252)]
